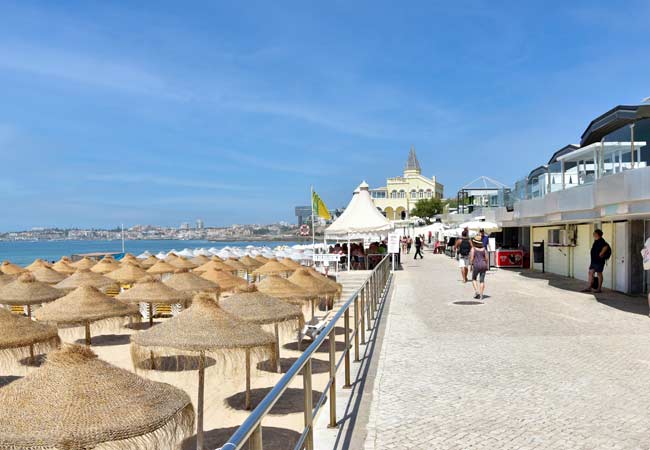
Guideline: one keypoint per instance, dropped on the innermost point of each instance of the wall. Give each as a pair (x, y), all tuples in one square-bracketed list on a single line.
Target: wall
[(582, 252)]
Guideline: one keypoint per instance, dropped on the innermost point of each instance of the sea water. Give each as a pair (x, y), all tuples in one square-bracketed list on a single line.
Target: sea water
[(24, 252)]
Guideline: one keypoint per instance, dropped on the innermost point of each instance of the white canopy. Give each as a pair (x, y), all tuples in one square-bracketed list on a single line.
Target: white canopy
[(476, 225), (360, 216)]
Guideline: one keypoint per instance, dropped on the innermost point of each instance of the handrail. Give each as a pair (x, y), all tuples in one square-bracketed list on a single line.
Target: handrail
[(369, 295)]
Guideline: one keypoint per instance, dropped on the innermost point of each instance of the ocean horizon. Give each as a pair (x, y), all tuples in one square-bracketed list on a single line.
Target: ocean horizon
[(24, 252)]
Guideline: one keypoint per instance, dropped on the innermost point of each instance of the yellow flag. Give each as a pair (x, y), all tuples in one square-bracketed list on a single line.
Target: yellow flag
[(319, 207)]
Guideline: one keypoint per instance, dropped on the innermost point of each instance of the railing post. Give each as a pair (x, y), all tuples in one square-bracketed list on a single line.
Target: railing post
[(362, 313), (346, 358), (368, 301), (356, 329), (255, 441), (306, 380), (332, 339)]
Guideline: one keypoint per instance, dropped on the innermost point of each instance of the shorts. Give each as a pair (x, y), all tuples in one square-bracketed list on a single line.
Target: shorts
[(480, 274), (597, 267), (463, 261)]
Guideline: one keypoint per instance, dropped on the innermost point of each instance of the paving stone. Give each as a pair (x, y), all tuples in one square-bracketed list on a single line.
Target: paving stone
[(536, 366)]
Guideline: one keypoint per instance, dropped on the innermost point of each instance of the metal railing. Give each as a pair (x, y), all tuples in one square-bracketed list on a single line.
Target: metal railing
[(364, 304)]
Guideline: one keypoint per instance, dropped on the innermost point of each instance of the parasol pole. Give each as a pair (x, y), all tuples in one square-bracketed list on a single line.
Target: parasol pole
[(150, 314), (87, 333), (199, 413), (277, 347), (248, 380)]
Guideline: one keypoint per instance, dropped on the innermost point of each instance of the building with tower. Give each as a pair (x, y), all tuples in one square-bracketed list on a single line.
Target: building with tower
[(399, 196)]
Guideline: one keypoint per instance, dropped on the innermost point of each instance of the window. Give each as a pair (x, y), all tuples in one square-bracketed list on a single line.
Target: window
[(429, 193), (393, 194), (414, 193), (421, 194), (402, 193)]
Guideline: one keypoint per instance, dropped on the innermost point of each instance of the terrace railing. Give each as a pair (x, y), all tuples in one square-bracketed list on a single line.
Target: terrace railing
[(362, 307)]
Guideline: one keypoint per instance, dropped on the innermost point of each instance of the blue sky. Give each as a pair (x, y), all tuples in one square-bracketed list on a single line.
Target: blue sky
[(164, 112)]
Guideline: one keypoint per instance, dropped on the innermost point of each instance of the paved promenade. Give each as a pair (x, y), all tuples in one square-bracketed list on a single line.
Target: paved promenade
[(536, 367)]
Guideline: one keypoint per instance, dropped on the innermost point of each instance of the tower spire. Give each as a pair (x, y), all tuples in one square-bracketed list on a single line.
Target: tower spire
[(412, 163)]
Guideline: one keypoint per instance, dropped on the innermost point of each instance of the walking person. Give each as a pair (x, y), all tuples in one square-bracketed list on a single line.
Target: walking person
[(600, 253), (478, 258), (463, 247), (418, 247), (409, 243)]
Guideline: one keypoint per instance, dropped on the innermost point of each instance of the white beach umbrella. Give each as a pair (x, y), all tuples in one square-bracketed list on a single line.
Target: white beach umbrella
[(476, 225), (186, 253), (144, 255), (161, 255)]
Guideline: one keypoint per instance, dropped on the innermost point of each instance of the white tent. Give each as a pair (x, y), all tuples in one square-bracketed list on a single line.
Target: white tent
[(361, 217)]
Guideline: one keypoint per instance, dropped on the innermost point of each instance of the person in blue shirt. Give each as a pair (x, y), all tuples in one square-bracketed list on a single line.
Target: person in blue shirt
[(485, 239)]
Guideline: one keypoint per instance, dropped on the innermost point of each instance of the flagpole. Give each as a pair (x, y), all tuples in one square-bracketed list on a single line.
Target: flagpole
[(313, 224)]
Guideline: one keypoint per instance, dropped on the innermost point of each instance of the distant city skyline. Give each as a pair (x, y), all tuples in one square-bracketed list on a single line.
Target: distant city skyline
[(122, 112)]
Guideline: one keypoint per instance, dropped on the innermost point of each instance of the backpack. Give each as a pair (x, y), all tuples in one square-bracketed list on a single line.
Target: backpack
[(480, 261), (608, 252), (465, 247)]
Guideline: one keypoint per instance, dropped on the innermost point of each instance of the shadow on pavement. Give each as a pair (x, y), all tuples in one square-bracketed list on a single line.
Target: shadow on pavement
[(274, 438), (291, 401), (622, 302)]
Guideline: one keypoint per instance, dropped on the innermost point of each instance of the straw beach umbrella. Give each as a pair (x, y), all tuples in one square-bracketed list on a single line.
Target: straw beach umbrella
[(290, 263), (272, 267), (265, 311), (285, 290), (84, 263), (250, 263), (37, 263), (199, 260), (205, 328), (6, 279), (127, 273), (25, 290), (261, 259), (9, 268), (129, 258), (63, 266), (148, 262), (182, 263), (161, 268), (84, 277), (76, 401), (106, 265), (236, 264), (318, 288), (23, 337), (215, 265), (150, 290), (319, 276), (226, 281), (82, 307), (47, 275), (189, 283)]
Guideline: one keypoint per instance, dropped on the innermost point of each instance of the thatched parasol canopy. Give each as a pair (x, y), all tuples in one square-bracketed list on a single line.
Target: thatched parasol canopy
[(182, 263), (281, 288), (184, 281), (235, 264), (84, 304), (151, 290), (6, 279), (261, 259), (63, 266), (205, 328), (105, 265), (261, 309), (84, 277), (47, 275), (84, 263), (316, 274), (264, 310), (9, 268), (22, 336), (226, 281), (129, 258), (161, 267), (127, 273), (38, 262), (273, 267), (25, 290), (76, 401), (290, 263), (250, 263), (170, 257), (150, 261), (314, 286), (215, 265), (200, 260)]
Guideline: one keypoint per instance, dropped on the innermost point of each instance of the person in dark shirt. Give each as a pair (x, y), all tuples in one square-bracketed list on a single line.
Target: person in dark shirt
[(600, 252)]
